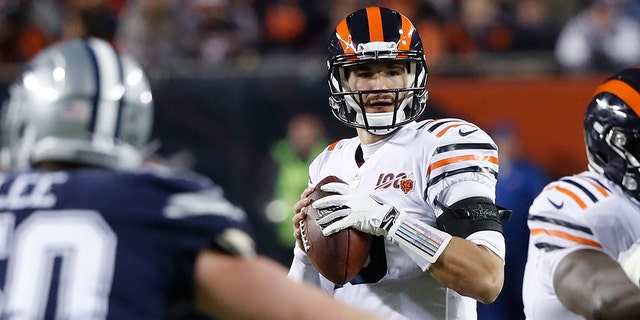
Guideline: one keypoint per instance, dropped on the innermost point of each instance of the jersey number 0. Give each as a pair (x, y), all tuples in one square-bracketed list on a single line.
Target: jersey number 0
[(84, 246)]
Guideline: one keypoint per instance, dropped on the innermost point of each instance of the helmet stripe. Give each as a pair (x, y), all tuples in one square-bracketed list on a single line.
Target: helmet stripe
[(343, 34), (96, 96), (375, 24), (111, 89), (121, 100), (624, 91), (406, 34)]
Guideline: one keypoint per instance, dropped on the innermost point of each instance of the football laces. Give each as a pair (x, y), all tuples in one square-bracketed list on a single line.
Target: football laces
[(303, 236)]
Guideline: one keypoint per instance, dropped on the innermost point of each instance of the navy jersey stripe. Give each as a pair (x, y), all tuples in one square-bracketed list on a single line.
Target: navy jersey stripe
[(465, 146), (561, 223), (548, 246), (582, 188), (470, 169), (439, 124), (598, 183)]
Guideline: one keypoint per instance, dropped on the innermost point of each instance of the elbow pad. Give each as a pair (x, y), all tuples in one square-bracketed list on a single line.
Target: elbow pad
[(471, 215)]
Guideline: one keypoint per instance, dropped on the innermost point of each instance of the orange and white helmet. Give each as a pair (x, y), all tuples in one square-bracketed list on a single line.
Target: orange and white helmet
[(376, 34)]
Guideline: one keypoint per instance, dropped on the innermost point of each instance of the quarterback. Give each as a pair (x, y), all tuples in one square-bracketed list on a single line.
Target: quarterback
[(425, 190), (585, 228)]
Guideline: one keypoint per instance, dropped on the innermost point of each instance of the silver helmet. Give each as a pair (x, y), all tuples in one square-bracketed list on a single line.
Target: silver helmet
[(80, 102)]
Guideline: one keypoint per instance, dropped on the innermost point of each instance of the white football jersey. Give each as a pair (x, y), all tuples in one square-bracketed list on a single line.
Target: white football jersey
[(445, 159), (581, 211)]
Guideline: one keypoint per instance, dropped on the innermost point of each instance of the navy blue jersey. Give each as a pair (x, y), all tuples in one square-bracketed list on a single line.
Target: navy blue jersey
[(103, 244)]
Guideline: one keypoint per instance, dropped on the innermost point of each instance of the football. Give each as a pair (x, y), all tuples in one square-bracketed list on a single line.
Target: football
[(340, 256)]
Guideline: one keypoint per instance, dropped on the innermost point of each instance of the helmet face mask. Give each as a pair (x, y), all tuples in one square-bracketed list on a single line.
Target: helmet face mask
[(392, 39), (612, 131), (78, 102)]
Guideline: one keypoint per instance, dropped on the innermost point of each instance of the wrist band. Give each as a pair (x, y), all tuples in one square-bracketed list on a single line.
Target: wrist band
[(425, 241)]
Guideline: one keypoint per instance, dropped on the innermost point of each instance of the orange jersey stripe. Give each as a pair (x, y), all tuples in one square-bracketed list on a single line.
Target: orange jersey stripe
[(572, 195), (602, 190), (566, 236), (441, 133), (451, 160), (625, 92), (375, 24), (406, 34), (333, 145)]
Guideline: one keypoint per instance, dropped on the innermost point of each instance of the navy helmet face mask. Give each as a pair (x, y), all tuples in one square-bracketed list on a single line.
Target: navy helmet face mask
[(78, 102), (612, 130), (376, 35)]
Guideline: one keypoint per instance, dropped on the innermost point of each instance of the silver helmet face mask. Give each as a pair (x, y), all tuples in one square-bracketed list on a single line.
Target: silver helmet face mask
[(396, 42), (79, 102)]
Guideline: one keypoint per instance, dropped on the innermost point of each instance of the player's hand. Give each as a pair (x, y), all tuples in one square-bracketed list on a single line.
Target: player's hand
[(300, 213), (630, 262), (352, 209)]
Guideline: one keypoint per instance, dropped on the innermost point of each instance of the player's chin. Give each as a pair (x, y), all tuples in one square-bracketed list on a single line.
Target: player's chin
[(380, 108)]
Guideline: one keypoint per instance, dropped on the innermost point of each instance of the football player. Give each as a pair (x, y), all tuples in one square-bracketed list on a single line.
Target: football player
[(89, 233), (425, 189), (584, 228)]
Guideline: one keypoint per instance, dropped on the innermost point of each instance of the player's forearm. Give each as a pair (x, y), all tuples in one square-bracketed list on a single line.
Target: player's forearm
[(470, 269), (598, 289), (258, 288)]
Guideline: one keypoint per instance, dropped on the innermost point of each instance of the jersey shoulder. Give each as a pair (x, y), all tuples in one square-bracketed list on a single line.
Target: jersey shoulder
[(339, 152), (573, 193), (453, 129), (458, 150), (184, 200), (567, 212)]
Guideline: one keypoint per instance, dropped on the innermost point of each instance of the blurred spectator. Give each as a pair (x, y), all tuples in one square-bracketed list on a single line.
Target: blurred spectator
[(479, 27), (152, 31), (429, 23), (221, 28), (600, 37), (20, 38), (519, 182), (339, 9), (534, 28), (292, 26), (100, 21), (291, 156), (173, 31)]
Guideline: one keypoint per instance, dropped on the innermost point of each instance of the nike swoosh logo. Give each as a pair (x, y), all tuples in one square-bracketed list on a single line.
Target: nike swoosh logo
[(558, 206), (466, 133)]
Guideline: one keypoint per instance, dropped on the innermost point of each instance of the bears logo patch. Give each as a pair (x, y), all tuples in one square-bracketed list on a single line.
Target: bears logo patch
[(406, 185)]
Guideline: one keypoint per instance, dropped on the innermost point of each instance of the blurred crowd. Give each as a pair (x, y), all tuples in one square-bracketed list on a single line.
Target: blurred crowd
[(582, 34)]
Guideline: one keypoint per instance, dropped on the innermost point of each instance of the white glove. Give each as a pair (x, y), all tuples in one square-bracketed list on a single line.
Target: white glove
[(352, 209), (630, 262)]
